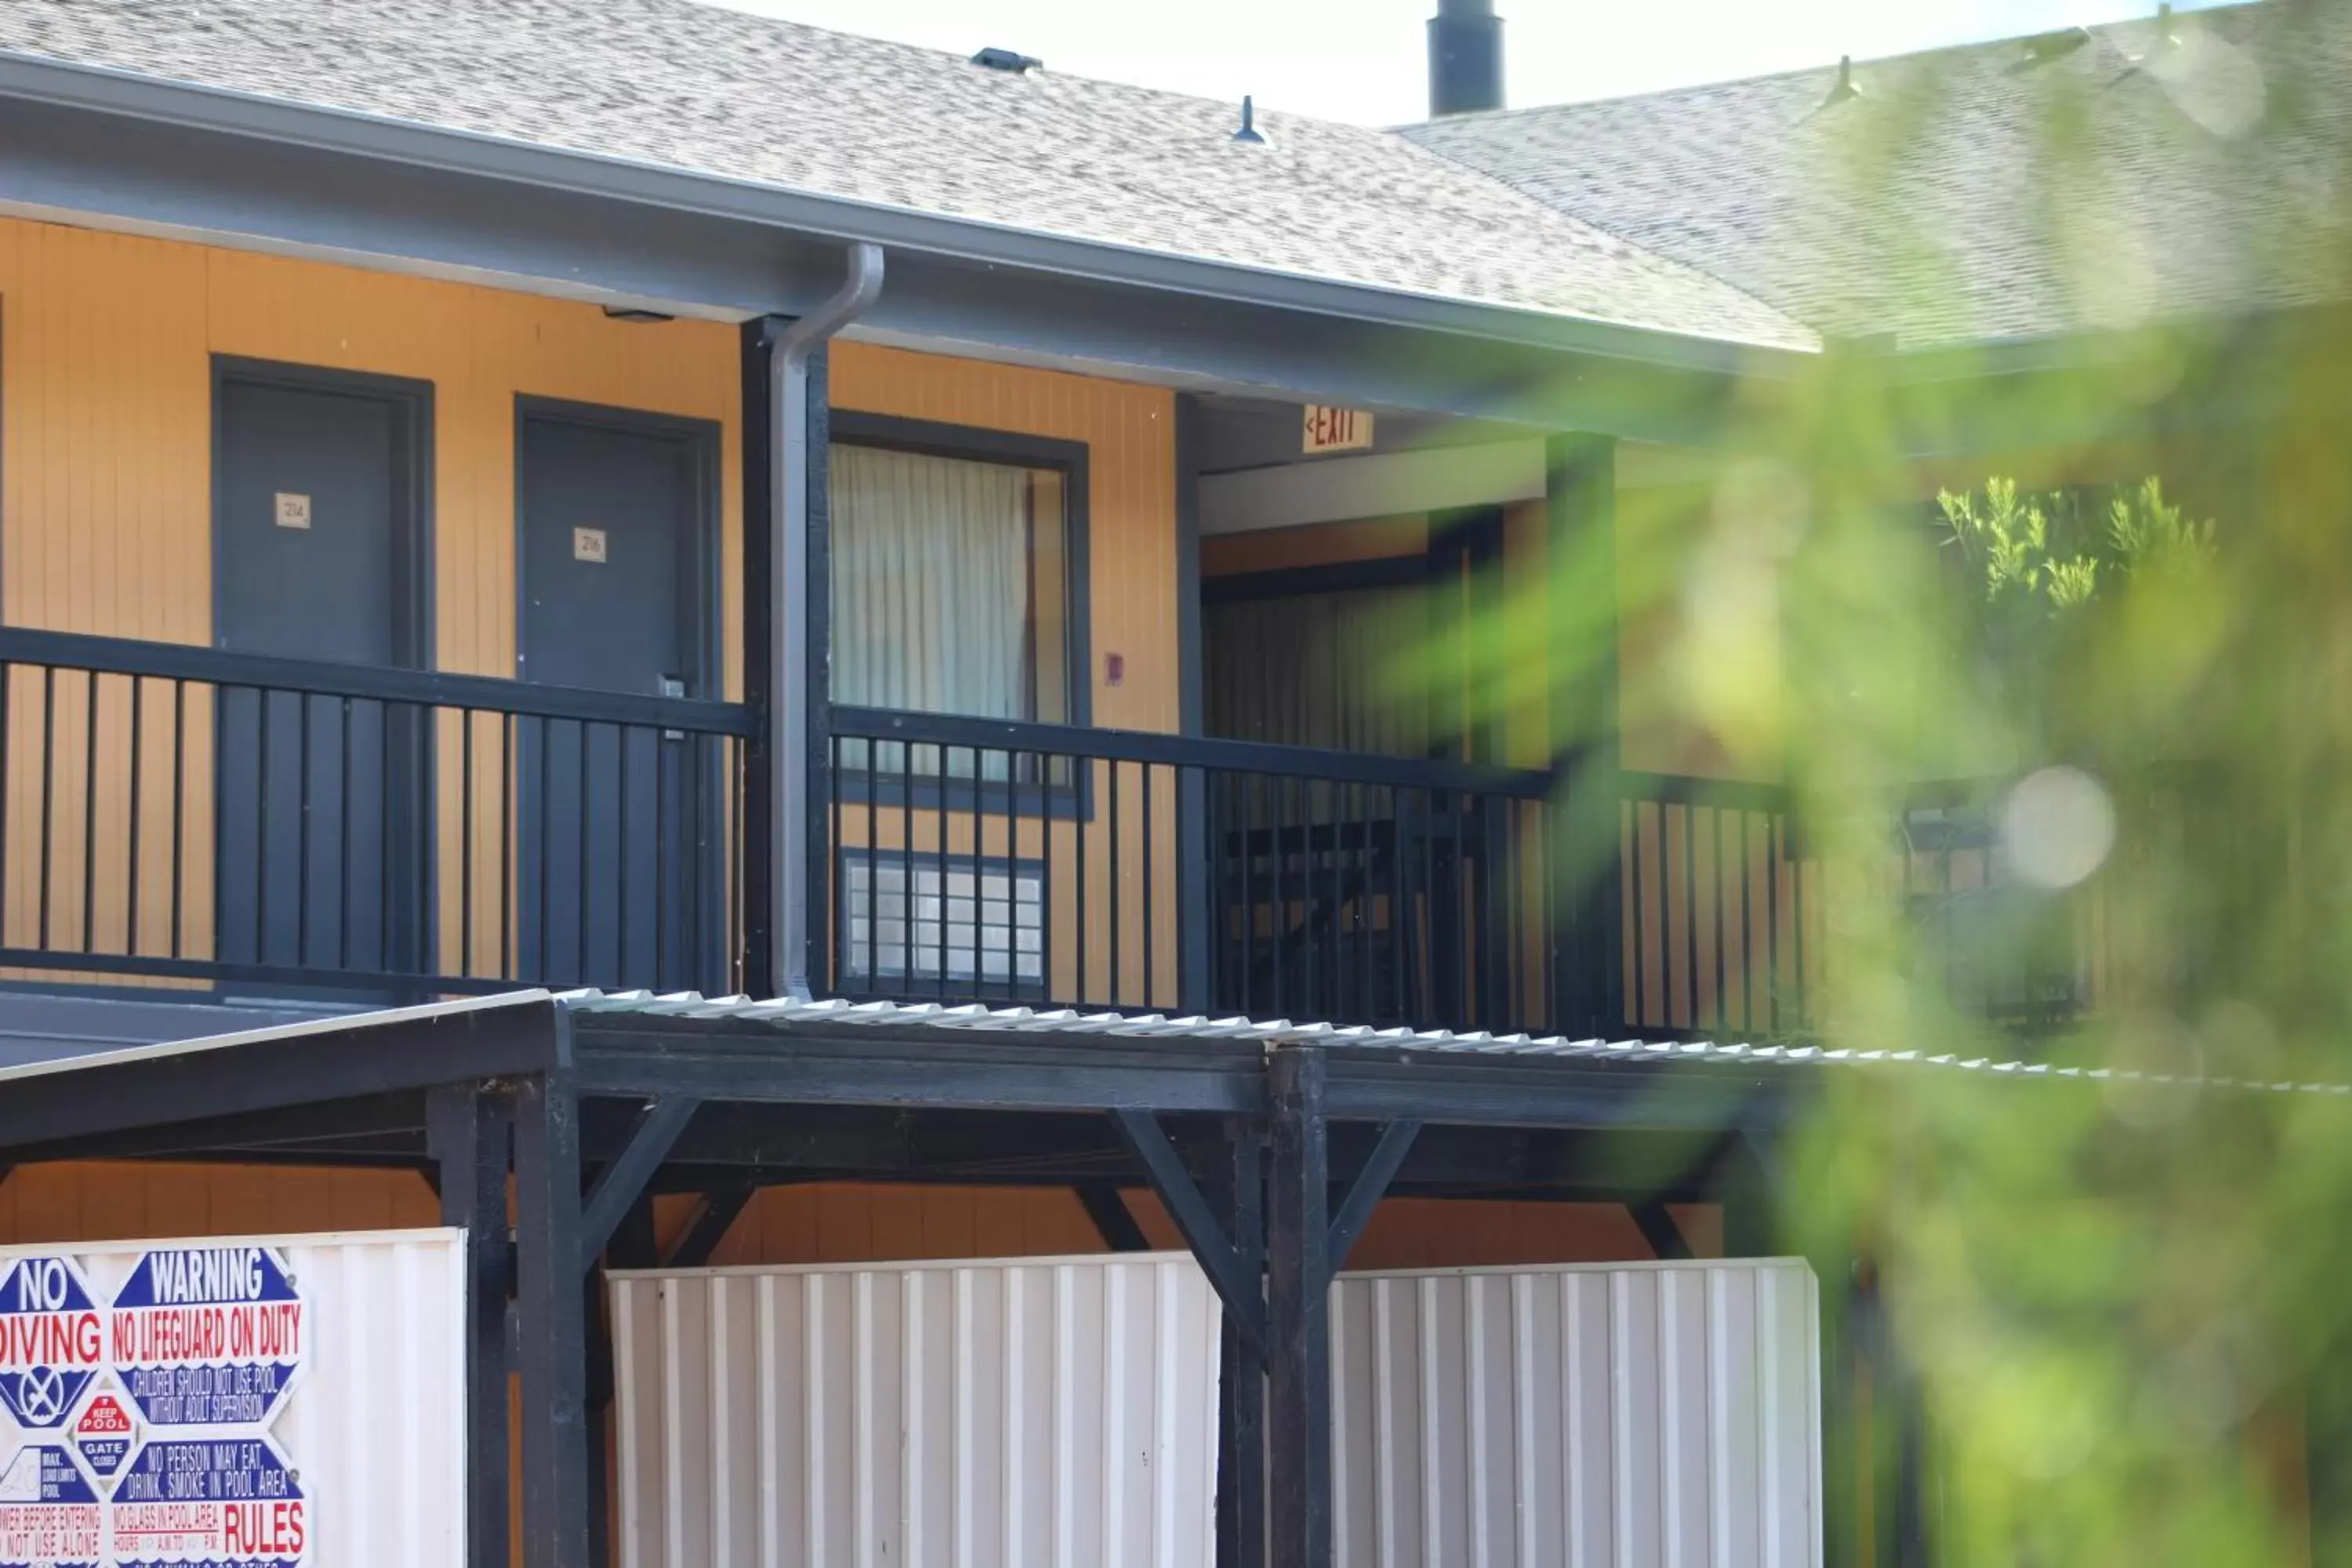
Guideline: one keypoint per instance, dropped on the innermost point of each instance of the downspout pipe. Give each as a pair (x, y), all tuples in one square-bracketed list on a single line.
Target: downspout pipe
[(789, 609)]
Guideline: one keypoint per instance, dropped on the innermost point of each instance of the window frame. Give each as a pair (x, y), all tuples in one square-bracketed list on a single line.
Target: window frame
[(1009, 449)]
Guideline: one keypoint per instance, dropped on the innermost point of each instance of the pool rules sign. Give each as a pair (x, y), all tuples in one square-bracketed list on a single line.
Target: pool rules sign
[(139, 1394)]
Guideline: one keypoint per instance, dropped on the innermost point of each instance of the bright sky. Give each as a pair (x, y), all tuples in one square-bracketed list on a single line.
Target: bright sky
[(1364, 60)]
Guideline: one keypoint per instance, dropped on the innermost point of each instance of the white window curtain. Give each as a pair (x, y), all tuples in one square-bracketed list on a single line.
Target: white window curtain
[(930, 584)]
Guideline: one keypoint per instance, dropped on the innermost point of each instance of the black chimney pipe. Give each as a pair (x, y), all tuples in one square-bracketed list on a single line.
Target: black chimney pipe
[(1465, 58)]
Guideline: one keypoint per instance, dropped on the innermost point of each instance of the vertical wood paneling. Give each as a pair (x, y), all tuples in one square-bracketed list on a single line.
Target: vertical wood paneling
[(109, 1201)]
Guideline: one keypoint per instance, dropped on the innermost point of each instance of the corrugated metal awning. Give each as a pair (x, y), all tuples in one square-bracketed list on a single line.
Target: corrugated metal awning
[(950, 1020)]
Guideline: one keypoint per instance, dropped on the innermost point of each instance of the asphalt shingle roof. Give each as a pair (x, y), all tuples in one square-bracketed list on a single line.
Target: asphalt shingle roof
[(1996, 191), (724, 93)]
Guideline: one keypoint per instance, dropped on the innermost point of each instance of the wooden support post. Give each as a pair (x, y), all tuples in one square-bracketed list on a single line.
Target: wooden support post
[(467, 1128), (1299, 1295), (1196, 943), (760, 526), (552, 1347), (1241, 1434), (1581, 564)]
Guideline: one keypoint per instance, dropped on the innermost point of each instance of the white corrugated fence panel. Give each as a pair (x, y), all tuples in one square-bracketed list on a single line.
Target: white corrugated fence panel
[(1631, 1416), (371, 1425), (984, 1415)]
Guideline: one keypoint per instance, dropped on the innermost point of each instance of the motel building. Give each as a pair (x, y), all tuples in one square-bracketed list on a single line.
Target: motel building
[(702, 860)]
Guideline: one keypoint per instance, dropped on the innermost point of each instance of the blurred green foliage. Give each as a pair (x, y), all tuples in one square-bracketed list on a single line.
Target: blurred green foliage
[(2113, 1323)]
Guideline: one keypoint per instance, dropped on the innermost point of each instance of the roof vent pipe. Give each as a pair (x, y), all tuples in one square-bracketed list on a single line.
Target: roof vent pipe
[(1465, 59), (1249, 132), (788, 589)]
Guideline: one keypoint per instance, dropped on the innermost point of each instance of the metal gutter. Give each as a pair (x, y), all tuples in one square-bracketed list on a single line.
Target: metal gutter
[(111, 91), (788, 589)]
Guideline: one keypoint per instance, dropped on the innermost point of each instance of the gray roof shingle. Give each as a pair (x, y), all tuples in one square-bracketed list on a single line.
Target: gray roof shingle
[(1970, 193), (723, 94)]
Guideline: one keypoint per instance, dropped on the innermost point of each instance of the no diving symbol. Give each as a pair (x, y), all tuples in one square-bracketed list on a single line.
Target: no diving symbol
[(50, 1342)]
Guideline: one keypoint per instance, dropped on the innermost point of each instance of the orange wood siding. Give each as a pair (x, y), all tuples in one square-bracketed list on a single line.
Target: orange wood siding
[(117, 1200), (106, 346), (874, 1223)]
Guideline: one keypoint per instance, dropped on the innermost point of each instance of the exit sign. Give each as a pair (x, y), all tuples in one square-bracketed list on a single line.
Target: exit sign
[(1338, 429)]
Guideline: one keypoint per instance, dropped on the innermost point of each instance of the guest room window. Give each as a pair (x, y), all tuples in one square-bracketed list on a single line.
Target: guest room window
[(957, 573)]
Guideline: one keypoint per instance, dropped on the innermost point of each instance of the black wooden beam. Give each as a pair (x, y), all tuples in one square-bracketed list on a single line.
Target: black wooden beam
[(277, 1126), (1658, 1229), (622, 1182), (1298, 1326), (1241, 1387), (1194, 1220), (309, 1066), (469, 1127), (885, 1065), (714, 1217), (1113, 1220), (1364, 1194), (552, 1325)]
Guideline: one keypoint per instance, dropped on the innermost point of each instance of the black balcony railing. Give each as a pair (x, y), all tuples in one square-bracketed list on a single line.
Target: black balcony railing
[(974, 859), (229, 820), (1721, 910)]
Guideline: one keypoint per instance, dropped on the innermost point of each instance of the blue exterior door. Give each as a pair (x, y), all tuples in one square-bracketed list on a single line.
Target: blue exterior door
[(621, 879), (317, 533)]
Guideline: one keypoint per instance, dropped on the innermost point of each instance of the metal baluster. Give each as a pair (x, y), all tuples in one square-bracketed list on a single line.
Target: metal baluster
[(873, 885), (1151, 848), (1278, 831), (1045, 878), (940, 797), (302, 827), (622, 825), (1796, 929), (1399, 946), (1360, 795), (1425, 1004), (1722, 962), (387, 807), (7, 759), (1247, 840), (49, 788), (1333, 796), (1690, 912), (581, 884), (343, 840), (1459, 898), (1638, 1008), (1117, 851), (261, 839), (510, 734), (138, 754), (179, 806), (466, 845), (90, 812), (547, 850), (979, 869), (1305, 793), (1772, 924)]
